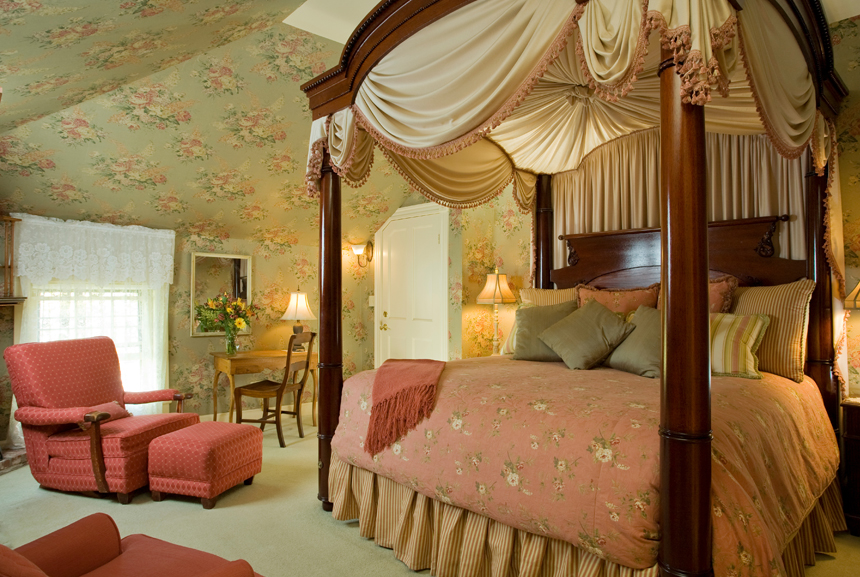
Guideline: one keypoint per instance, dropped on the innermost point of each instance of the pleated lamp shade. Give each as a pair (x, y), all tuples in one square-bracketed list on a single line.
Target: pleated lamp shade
[(298, 309), (496, 291)]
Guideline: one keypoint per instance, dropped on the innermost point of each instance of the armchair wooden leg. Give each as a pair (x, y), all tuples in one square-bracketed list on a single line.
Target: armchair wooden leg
[(157, 496), (98, 457), (124, 498), (278, 400), (249, 480), (208, 503)]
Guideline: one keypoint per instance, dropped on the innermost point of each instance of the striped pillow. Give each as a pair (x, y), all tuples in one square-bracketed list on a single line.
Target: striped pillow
[(544, 297), (783, 349), (734, 341)]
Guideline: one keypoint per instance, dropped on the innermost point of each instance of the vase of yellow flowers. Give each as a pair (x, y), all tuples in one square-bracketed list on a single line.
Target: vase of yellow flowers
[(228, 314)]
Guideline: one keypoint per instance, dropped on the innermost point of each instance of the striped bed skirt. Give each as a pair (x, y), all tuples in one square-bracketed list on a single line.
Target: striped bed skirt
[(425, 533)]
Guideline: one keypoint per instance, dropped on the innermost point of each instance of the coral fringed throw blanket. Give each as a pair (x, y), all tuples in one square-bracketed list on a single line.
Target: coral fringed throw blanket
[(404, 393)]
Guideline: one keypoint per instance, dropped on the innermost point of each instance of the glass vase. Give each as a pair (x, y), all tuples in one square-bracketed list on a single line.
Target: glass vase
[(230, 340)]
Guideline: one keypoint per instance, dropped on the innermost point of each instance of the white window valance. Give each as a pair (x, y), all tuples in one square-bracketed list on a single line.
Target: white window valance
[(50, 248)]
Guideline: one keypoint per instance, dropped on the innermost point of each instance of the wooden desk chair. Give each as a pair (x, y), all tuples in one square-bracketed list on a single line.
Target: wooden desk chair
[(272, 390)]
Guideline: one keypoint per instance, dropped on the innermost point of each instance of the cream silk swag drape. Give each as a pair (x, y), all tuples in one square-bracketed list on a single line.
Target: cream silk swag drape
[(501, 90), (549, 81)]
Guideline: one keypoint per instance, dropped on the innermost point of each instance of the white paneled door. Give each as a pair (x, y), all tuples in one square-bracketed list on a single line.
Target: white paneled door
[(411, 285)]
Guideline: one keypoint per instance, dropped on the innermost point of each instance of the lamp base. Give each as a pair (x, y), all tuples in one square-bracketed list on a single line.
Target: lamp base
[(298, 328), (496, 330)]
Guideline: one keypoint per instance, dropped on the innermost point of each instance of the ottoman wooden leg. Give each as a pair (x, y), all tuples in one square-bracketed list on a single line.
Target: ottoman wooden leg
[(249, 481), (157, 496), (124, 498), (208, 503)]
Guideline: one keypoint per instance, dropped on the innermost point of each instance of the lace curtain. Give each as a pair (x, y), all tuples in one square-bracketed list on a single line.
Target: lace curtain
[(50, 248)]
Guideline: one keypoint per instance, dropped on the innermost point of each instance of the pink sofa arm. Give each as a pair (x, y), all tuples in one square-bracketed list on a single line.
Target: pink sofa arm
[(239, 568), (40, 416), (77, 549)]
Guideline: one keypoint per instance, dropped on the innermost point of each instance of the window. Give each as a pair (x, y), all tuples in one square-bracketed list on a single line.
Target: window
[(68, 312)]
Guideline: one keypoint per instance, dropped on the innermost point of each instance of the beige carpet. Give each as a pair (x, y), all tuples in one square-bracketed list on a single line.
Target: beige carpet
[(277, 523)]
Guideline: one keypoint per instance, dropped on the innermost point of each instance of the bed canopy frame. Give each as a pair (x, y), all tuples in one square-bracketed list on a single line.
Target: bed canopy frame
[(682, 245)]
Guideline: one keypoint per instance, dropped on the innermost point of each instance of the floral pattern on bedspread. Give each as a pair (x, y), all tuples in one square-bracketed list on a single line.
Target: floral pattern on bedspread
[(574, 455)]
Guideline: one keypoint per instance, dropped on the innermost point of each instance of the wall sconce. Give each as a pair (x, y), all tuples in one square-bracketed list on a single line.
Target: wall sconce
[(363, 252)]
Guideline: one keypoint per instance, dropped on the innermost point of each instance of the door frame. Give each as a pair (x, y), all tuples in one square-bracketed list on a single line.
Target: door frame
[(404, 213)]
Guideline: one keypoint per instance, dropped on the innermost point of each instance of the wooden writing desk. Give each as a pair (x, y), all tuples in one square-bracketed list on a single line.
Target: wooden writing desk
[(249, 362)]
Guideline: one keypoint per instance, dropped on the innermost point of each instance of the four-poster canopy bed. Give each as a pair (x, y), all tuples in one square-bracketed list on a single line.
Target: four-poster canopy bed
[(467, 97)]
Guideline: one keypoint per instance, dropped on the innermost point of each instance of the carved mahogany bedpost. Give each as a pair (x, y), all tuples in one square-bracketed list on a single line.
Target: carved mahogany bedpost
[(543, 240), (820, 352), (331, 336), (685, 413)]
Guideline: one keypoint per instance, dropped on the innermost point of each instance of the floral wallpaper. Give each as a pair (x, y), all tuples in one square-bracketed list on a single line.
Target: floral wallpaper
[(60, 54), (846, 51), (210, 140)]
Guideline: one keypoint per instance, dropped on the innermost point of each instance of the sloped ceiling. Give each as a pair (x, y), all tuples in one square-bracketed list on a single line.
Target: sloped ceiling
[(56, 54), (836, 10), (332, 19), (168, 114)]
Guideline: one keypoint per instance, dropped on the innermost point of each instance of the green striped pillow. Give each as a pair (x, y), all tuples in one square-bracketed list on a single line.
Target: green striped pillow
[(734, 342), (783, 349)]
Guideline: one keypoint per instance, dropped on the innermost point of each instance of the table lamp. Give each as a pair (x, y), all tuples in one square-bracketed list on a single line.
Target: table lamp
[(298, 310), (496, 292)]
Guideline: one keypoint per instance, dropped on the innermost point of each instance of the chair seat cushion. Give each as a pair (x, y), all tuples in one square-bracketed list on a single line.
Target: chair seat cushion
[(121, 437)]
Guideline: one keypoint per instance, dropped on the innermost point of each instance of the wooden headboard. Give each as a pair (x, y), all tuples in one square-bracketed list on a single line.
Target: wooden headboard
[(743, 248)]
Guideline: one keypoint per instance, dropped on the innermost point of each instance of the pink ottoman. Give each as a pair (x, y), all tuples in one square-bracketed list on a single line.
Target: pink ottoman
[(204, 460)]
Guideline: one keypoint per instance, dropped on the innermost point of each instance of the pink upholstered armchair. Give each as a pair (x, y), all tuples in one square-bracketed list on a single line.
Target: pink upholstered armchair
[(78, 435)]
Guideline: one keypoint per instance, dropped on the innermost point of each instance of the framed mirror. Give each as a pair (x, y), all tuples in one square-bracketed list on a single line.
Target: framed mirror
[(213, 274)]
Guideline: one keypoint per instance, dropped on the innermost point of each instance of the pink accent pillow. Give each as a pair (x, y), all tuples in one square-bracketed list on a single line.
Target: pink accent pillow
[(620, 300), (114, 409), (720, 293)]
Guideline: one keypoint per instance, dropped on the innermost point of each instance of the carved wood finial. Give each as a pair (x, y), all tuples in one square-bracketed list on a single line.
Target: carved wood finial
[(765, 247), (572, 257)]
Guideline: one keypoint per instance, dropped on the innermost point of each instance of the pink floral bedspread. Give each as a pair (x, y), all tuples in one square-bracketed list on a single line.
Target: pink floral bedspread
[(574, 455)]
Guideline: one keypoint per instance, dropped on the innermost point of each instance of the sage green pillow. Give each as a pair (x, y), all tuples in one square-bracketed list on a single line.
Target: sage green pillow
[(586, 337), (531, 322), (642, 352)]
